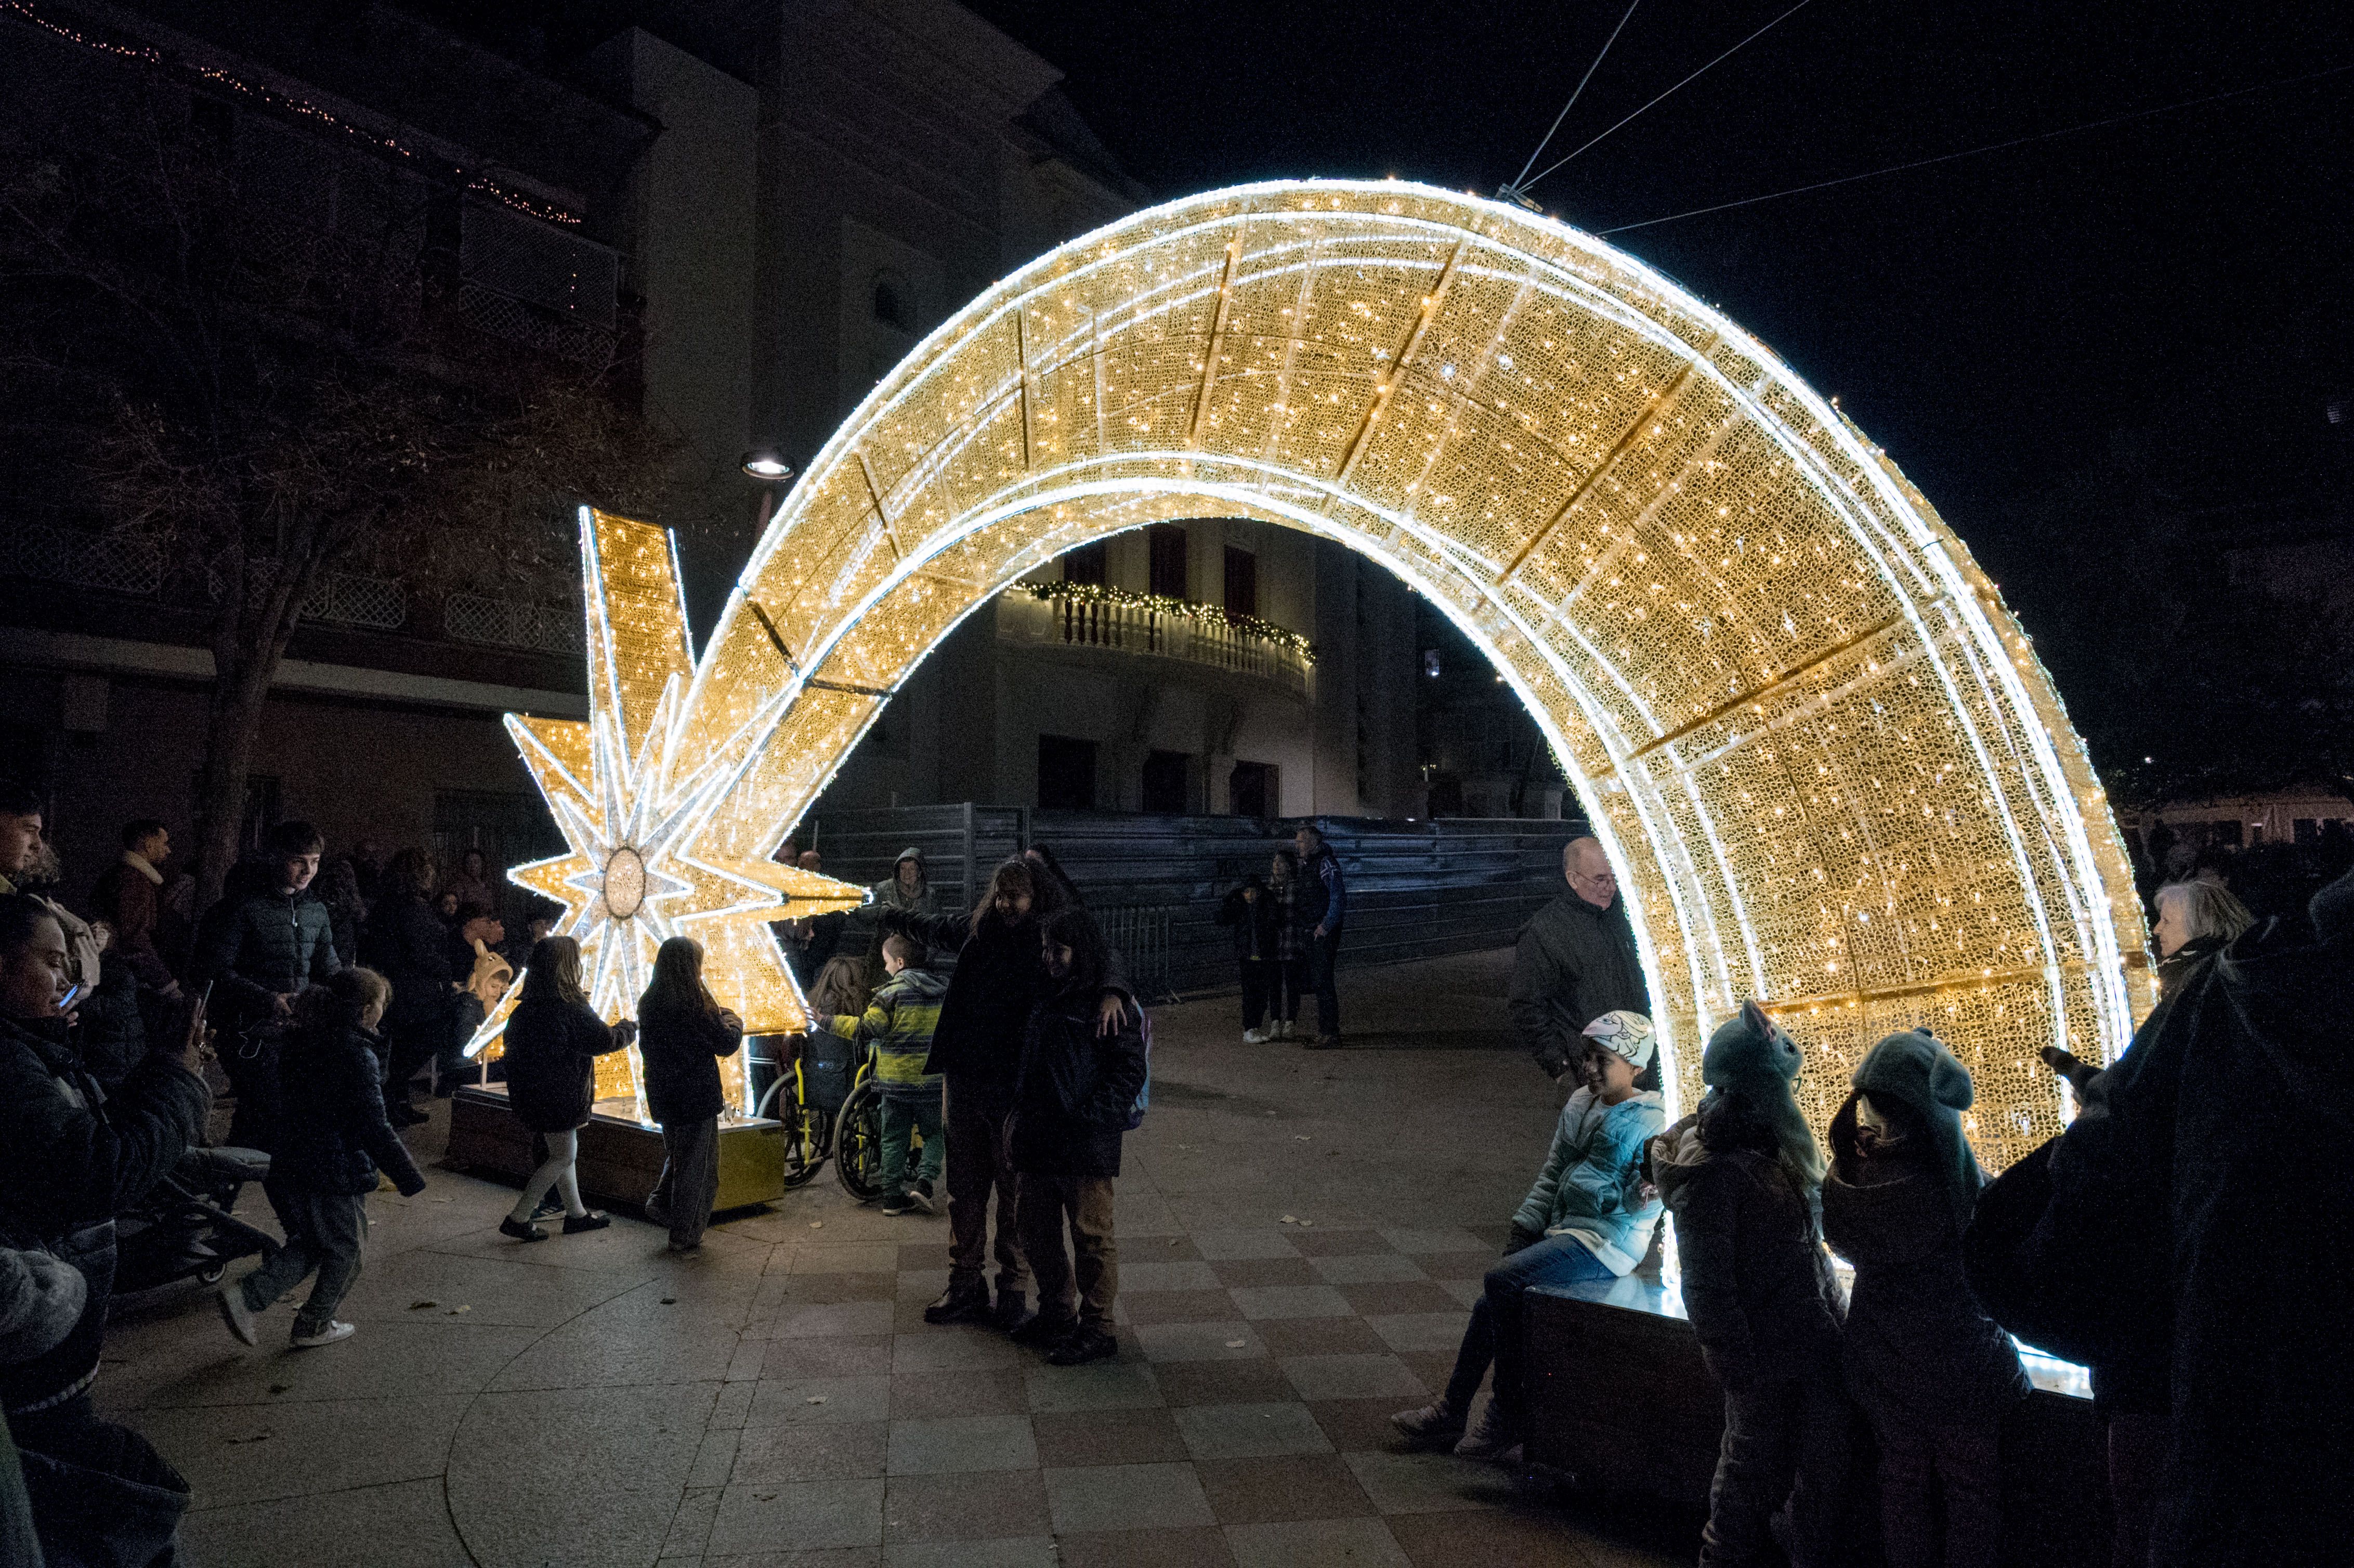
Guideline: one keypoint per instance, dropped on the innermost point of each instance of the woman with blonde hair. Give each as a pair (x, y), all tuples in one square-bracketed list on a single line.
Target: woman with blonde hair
[(684, 1032), (553, 1041), (2194, 919)]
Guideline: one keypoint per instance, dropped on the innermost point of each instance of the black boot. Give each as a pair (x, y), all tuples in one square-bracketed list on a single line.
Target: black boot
[(1012, 1310), (963, 1303)]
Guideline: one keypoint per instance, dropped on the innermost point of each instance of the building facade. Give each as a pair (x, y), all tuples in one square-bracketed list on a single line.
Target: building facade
[(761, 208)]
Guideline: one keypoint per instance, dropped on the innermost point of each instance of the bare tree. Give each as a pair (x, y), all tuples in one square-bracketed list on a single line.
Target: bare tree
[(273, 394)]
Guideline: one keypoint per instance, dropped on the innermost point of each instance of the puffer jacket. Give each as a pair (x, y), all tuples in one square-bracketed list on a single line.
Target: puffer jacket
[(331, 1133), (1591, 1185), (681, 1047), (72, 1156), (1256, 923), (1757, 1284), (900, 1022), (1075, 1090), (272, 944), (551, 1058), (1573, 964), (41, 1299)]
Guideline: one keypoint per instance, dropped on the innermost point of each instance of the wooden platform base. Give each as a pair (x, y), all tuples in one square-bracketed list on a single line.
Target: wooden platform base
[(1620, 1400), (619, 1160)]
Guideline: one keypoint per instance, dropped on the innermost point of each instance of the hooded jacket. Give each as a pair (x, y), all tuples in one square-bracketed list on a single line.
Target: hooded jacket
[(71, 1158), (1919, 1352), (1075, 1090), (899, 1021), (1590, 1184), (551, 1052), (333, 1136), (1573, 964), (1256, 923), (887, 894), (2206, 1183), (680, 1047)]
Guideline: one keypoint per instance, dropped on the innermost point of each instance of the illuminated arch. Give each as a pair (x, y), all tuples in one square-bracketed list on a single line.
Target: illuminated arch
[(1828, 770)]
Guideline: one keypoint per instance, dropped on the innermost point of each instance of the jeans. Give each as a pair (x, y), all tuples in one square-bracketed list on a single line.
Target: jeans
[(1323, 952), (1963, 1464), (901, 1117), (1085, 1202), (1258, 974), (978, 1120), (1786, 1441), (324, 1232), (689, 1182), (1498, 1331)]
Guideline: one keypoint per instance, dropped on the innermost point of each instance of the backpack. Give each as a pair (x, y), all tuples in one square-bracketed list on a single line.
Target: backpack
[(1144, 1091)]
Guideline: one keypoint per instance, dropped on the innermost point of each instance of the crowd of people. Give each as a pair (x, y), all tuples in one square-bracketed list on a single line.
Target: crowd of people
[(2184, 1239)]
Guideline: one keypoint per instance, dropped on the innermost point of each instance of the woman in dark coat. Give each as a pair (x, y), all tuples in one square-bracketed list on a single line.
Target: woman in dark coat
[(683, 1033), (407, 944), (552, 1040), (1933, 1372), (1072, 1102)]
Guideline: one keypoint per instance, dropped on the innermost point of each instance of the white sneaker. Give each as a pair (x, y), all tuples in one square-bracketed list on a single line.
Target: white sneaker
[(327, 1335), (1488, 1438), (1256, 1037), (236, 1314)]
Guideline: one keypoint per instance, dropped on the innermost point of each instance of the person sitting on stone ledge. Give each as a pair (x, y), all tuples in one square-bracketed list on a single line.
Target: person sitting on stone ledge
[(1742, 1178), (1586, 1218)]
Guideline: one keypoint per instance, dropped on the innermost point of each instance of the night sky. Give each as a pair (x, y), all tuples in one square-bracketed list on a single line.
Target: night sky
[(2177, 287)]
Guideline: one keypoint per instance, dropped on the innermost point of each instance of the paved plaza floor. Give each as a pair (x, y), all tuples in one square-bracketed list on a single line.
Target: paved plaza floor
[(1299, 1235)]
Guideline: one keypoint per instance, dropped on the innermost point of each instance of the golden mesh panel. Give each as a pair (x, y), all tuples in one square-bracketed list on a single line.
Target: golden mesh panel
[(1821, 752)]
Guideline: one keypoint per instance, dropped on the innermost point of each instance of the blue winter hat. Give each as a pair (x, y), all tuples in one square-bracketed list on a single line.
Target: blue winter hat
[(1752, 1058), (1915, 1070)]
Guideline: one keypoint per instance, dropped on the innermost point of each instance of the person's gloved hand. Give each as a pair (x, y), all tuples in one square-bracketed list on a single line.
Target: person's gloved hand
[(1521, 1237), (893, 922)]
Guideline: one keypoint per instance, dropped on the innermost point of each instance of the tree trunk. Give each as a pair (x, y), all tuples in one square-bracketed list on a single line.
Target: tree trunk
[(250, 635)]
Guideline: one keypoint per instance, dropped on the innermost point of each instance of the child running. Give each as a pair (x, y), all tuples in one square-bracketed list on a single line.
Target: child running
[(332, 1139), (900, 1020)]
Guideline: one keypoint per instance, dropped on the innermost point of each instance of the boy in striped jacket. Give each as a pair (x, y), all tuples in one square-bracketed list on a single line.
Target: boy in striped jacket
[(899, 1021)]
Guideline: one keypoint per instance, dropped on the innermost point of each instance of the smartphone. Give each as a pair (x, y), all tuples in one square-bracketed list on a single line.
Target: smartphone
[(74, 993), (197, 1015)]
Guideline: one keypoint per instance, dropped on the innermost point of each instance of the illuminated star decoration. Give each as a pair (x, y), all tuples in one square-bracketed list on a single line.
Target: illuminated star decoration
[(641, 793)]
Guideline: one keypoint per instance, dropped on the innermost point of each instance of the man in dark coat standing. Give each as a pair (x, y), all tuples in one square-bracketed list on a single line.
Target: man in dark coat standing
[(259, 957), (1574, 962)]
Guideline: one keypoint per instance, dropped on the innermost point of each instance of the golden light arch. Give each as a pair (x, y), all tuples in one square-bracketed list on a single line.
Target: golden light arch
[(1828, 769)]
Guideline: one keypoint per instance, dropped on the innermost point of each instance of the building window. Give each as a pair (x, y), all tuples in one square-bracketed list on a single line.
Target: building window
[(1242, 582), (1167, 541), (1066, 773), (1168, 783), (1086, 565), (1250, 790)]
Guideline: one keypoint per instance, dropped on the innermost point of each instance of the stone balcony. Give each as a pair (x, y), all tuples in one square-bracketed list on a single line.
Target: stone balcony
[(1199, 635)]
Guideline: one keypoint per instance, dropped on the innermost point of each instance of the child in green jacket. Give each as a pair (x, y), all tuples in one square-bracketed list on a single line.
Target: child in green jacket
[(899, 1021)]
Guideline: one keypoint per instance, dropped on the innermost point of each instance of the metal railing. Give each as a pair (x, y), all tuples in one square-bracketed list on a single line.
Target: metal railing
[(116, 562), (340, 598), (1140, 935), (1205, 641), (513, 623)]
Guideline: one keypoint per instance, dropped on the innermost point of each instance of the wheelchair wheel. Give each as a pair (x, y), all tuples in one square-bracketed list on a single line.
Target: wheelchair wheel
[(858, 1152), (806, 1127)]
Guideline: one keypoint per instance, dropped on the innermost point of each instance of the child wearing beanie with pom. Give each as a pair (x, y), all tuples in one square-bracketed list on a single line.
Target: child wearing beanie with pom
[(1742, 1176), (1932, 1370)]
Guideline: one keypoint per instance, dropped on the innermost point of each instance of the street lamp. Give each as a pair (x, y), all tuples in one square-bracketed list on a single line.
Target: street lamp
[(767, 465)]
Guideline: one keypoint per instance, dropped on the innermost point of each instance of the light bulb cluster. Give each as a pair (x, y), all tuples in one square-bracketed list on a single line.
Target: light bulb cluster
[(1178, 609), (1822, 758)]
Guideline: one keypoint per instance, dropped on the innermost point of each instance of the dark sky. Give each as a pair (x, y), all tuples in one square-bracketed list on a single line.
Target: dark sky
[(2179, 286)]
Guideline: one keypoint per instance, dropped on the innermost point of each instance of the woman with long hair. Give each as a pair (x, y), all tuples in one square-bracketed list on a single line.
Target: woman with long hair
[(553, 1041), (332, 1139), (683, 1032), (977, 1047), (405, 942)]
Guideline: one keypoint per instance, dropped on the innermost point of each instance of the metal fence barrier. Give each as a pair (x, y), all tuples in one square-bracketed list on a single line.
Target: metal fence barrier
[(1140, 935)]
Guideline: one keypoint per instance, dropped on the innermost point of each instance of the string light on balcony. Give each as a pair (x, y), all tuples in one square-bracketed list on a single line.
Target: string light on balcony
[(1176, 609), (1820, 753)]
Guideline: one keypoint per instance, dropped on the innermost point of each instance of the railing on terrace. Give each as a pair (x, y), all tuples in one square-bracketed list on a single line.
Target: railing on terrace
[(1199, 634)]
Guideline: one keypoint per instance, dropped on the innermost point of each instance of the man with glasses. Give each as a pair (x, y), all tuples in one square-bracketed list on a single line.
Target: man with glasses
[(1576, 961)]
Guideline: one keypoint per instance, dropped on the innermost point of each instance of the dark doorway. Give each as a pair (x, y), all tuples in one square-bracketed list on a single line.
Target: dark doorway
[(1066, 773), (1167, 542), (1086, 564), (1250, 790), (1242, 582), (1167, 782)]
